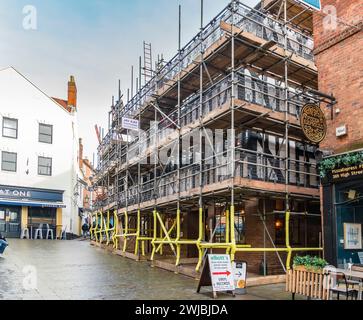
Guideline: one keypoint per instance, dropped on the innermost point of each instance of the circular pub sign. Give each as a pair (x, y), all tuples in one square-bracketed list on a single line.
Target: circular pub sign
[(313, 122)]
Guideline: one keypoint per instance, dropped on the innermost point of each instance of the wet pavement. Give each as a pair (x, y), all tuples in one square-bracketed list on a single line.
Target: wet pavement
[(73, 270)]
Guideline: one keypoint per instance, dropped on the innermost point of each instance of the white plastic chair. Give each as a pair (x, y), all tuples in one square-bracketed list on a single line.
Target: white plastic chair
[(39, 232), (49, 232), (25, 234), (62, 235)]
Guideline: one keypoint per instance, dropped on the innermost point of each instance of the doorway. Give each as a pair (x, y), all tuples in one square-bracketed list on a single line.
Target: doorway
[(10, 221)]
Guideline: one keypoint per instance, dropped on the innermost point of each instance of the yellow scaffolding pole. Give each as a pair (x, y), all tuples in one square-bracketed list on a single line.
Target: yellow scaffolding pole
[(199, 241), (163, 241), (101, 228), (137, 232), (169, 241), (227, 230), (92, 228), (116, 229), (287, 237), (95, 229), (233, 234), (107, 229), (288, 247), (155, 236), (177, 243), (126, 231)]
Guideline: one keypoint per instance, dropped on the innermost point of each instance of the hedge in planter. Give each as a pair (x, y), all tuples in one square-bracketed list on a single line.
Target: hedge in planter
[(309, 263)]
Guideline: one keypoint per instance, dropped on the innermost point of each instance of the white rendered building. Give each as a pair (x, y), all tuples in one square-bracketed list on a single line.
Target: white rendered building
[(38, 157)]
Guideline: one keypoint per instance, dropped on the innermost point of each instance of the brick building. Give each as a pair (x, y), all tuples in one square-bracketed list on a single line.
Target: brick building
[(256, 194), (338, 56)]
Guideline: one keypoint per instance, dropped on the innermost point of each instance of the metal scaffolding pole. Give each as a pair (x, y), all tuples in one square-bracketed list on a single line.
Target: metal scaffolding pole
[(233, 139), (201, 209), (179, 157)]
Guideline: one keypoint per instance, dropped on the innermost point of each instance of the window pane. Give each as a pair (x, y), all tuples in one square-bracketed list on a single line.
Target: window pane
[(45, 161), (10, 133), (44, 171), (45, 133), (10, 123), (45, 129), (9, 157), (10, 128), (45, 138), (45, 166), (8, 166)]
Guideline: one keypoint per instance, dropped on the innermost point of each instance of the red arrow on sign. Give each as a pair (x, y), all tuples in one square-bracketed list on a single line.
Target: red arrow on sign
[(227, 273)]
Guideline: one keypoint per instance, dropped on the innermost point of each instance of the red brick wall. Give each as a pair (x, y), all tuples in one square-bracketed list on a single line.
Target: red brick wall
[(254, 237), (339, 60)]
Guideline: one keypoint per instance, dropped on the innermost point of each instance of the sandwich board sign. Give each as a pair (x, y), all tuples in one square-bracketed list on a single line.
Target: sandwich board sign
[(240, 276), (218, 273), (315, 4), (130, 124)]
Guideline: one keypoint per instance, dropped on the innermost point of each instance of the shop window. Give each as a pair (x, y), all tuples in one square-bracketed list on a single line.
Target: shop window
[(44, 166), (45, 133), (239, 227), (8, 161), (10, 128), (37, 216), (296, 230)]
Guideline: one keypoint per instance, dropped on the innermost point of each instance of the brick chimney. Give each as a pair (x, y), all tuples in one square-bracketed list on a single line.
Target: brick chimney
[(80, 155), (72, 93)]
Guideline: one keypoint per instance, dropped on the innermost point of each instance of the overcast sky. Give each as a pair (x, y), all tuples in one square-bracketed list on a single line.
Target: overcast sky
[(97, 41)]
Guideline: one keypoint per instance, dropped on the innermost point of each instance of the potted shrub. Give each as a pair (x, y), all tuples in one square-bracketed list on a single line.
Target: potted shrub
[(307, 278)]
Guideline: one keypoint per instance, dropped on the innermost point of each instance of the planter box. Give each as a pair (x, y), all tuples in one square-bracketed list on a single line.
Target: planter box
[(308, 282)]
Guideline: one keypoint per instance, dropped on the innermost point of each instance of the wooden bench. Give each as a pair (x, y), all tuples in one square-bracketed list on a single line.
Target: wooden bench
[(308, 283)]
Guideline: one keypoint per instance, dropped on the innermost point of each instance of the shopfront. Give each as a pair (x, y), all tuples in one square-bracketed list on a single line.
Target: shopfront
[(343, 210), (29, 208), (10, 221)]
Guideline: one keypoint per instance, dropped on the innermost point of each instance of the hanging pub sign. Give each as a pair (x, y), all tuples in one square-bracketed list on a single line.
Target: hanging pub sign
[(313, 123)]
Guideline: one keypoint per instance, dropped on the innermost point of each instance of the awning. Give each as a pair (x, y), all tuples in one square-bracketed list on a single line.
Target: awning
[(39, 204)]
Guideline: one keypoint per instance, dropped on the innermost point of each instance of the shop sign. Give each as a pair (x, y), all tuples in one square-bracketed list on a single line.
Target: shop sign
[(240, 276), (218, 273), (7, 192), (313, 123), (130, 124), (221, 272), (347, 172)]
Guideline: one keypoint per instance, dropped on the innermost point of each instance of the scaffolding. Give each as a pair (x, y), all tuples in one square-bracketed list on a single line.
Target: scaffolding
[(243, 78)]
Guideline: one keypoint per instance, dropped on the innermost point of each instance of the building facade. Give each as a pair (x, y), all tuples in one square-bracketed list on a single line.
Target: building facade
[(39, 148), (225, 165), (338, 44), (86, 193)]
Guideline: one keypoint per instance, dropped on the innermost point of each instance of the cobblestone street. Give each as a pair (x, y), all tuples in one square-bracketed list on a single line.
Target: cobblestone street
[(70, 270)]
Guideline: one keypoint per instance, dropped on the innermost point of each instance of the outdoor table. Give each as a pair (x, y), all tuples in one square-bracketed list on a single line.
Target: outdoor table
[(354, 274)]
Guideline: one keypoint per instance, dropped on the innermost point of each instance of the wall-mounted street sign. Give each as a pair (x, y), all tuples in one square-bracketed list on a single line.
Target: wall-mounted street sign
[(341, 131), (218, 273), (313, 123), (315, 4), (130, 124), (240, 276)]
